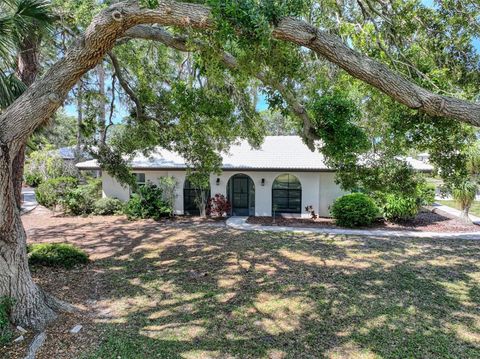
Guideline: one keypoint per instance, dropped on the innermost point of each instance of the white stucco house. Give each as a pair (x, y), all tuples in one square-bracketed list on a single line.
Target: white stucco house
[(283, 174)]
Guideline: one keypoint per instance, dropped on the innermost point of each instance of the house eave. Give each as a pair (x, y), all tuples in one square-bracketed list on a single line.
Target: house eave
[(240, 169)]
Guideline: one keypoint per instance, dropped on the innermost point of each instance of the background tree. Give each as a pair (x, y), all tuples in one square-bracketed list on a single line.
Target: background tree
[(24, 25)]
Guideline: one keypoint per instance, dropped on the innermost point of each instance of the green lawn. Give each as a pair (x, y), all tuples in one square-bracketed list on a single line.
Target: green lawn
[(227, 294), (203, 292), (475, 209)]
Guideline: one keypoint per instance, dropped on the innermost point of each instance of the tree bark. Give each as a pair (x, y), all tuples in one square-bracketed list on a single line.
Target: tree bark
[(31, 306), (375, 73), (27, 69), (464, 217)]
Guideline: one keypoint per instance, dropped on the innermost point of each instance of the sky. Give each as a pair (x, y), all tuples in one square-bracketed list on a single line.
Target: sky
[(262, 101)]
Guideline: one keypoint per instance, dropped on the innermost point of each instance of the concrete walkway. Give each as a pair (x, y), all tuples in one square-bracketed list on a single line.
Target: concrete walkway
[(241, 223), (451, 212), (29, 202)]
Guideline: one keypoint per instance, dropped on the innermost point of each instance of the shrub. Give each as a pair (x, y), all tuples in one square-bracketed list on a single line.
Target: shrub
[(81, 200), (46, 164), (400, 208), (354, 210), (5, 331), (148, 202), (56, 255), (426, 194), (218, 206), (51, 192), (108, 206), (33, 179)]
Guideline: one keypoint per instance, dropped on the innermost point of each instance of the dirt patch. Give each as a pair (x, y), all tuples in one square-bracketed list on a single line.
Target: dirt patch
[(425, 221)]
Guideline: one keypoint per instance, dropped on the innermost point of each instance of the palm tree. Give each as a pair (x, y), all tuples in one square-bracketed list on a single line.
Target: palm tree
[(464, 194), (21, 29), (22, 24)]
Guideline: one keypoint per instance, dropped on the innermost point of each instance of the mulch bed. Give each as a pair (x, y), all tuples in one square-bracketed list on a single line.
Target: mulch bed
[(425, 221)]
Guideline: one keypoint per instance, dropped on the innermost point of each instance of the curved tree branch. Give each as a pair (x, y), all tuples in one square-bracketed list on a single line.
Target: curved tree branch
[(375, 73), (125, 85), (44, 97), (180, 43)]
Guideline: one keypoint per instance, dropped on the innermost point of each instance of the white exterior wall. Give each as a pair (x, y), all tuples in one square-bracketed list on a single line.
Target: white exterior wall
[(318, 188), (112, 188)]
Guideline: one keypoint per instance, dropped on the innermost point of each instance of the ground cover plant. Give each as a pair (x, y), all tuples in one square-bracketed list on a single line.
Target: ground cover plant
[(56, 255)]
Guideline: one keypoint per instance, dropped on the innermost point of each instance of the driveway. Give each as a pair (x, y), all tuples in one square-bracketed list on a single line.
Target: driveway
[(29, 200)]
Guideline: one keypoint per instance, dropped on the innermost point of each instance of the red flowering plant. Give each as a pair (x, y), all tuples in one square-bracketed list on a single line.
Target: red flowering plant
[(218, 206)]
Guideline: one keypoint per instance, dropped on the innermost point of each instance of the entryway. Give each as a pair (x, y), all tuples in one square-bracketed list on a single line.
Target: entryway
[(241, 194)]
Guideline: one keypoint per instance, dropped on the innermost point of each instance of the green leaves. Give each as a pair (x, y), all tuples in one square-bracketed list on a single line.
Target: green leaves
[(336, 123)]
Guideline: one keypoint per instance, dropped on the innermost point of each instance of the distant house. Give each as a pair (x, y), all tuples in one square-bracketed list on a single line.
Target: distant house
[(283, 175), (424, 157)]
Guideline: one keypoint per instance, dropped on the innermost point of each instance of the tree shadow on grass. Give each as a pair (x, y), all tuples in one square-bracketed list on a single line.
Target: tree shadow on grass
[(198, 291)]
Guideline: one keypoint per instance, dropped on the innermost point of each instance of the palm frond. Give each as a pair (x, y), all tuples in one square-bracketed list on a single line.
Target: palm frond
[(10, 89), (32, 15), (5, 37)]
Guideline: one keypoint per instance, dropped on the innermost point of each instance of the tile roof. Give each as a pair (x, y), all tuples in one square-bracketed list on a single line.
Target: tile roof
[(276, 152)]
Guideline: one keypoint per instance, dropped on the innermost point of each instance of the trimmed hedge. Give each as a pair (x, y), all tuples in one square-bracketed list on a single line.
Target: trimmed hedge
[(354, 210), (56, 255)]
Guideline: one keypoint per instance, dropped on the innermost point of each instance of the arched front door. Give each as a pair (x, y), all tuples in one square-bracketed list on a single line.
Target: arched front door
[(241, 194)]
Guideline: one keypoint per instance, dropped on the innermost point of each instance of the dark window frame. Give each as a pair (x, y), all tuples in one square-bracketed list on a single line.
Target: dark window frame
[(139, 183), (191, 193), (290, 194)]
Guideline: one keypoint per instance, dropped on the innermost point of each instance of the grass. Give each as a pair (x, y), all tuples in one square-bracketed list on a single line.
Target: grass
[(475, 209), (223, 294)]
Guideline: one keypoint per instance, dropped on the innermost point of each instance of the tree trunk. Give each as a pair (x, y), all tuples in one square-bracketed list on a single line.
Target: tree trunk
[(27, 70), (17, 174), (31, 307), (464, 217), (101, 104), (78, 147)]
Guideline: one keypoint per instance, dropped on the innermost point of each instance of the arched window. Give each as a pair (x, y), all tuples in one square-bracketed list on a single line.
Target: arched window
[(287, 194)]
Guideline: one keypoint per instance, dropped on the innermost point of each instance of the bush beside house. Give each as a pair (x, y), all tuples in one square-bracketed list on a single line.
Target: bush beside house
[(108, 206), (218, 206), (51, 192), (81, 200), (148, 202), (354, 210)]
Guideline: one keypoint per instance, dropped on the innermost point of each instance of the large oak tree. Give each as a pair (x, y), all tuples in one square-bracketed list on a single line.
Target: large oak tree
[(32, 306)]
